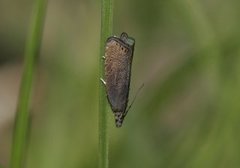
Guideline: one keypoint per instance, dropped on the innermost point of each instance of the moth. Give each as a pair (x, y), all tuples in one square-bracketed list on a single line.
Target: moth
[(118, 62)]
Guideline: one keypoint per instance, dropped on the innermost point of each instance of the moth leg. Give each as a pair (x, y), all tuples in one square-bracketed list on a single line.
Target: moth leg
[(103, 82)]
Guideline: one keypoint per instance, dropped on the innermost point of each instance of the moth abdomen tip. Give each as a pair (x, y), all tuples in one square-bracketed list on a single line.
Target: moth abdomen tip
[(118, 124), (118, 119)]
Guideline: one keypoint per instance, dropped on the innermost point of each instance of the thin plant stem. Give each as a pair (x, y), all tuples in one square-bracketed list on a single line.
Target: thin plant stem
[(20, 133), (106, 31)]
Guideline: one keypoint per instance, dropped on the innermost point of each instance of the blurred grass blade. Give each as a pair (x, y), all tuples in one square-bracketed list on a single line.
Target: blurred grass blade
[(22, 116), (106, 31)]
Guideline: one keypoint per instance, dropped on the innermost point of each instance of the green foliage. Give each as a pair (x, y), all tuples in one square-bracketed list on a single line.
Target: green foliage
[(21, 129)]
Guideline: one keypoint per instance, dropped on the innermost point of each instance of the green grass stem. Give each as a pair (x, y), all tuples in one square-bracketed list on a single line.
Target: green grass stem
[(106, 31), (21, 128)]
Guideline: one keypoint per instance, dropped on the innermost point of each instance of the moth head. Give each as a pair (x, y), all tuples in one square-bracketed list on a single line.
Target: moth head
[(128, 40)]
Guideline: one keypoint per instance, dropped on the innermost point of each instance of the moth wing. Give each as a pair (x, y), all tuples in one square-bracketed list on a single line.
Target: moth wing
[(117, 73), (117, 90)]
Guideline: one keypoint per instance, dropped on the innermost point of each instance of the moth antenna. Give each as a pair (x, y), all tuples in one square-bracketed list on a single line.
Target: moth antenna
[(129, 107)]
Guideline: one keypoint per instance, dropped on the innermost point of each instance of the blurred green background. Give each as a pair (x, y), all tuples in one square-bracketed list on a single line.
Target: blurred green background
[(187, 54)]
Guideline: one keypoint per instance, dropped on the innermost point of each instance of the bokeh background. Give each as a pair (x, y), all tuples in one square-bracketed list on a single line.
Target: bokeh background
[(187, 54)]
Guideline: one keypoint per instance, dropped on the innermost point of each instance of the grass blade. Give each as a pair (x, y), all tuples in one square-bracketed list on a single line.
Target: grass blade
[(22, 116), (106, 31)]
